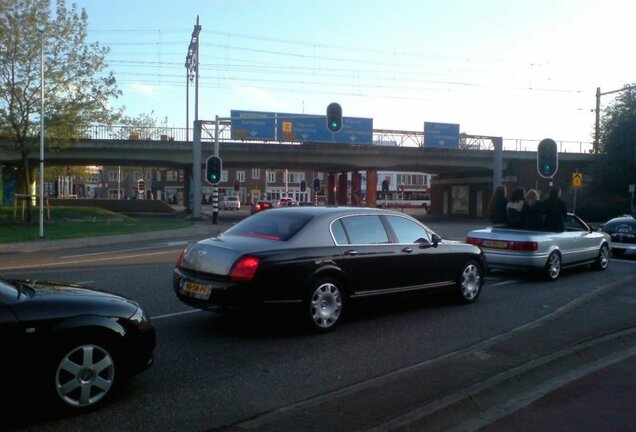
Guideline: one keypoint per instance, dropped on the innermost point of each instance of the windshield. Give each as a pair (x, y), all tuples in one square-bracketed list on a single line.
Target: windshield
[(270, 225)]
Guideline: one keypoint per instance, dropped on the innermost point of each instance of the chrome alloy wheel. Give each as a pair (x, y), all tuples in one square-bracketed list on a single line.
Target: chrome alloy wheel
[(603, 258), (553, 267), (85, 375), (470, 282), (326, 305)]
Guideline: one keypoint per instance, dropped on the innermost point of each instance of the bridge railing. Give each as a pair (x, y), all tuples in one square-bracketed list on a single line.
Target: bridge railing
[(381, 137)]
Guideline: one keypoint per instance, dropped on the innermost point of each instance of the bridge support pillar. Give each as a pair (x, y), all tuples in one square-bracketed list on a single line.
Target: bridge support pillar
[(372, 188), (331, 189), (187, 192), (356, 189), (342, 188)]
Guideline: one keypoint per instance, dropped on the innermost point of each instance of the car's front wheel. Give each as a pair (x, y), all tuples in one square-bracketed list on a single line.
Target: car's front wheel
[(602, 261), (469, 282), (324, 304), (552, 269), (84, 374)]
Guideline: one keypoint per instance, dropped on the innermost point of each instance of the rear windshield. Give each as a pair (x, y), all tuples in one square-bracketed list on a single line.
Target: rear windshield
[(271, 225)]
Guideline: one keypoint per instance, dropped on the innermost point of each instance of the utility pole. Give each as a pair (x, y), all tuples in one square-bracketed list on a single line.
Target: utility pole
[(192, 67), (41, 134)]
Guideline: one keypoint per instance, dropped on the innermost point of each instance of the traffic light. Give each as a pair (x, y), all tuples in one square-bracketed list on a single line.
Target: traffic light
[(316, 185), (547, 158), (303, 185), (334, 117), (385, 186), (213, 166)]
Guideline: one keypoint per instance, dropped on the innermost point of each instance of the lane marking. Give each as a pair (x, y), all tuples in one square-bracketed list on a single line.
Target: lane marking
[(157, 246), (506, 282), (87, 261), (170, 315)]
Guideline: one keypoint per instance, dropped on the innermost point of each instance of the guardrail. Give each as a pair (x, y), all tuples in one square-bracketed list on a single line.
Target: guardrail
[(381, 137)]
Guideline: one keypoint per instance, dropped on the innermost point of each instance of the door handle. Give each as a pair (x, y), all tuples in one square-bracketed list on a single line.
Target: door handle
[(351, 252), (407, 250)]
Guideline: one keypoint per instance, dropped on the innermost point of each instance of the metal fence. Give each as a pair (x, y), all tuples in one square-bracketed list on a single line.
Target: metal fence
[(381, 137)]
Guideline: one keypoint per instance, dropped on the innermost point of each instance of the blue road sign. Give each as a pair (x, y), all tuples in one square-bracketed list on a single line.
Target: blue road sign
[(253, 125), (442, 135), (313, 128)]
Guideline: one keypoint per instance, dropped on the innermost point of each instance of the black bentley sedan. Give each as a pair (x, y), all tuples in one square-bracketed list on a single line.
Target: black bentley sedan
[(322, 258), (622, 231), (69, 343)]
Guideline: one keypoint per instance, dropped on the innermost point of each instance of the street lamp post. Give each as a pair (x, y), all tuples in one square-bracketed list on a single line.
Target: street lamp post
[(597, 123), (42, 134)]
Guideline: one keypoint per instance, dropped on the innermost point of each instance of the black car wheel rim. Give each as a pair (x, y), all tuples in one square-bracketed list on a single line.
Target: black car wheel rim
[(326, 305), (470, 282), (85, 375)]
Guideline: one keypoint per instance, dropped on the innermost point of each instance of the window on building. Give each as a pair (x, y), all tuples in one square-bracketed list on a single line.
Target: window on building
[(271, 176), (113, 176), (158, 179), (223, 176), (137, 175), (256, 173), (240, 176), (295, 177), (172, 175)]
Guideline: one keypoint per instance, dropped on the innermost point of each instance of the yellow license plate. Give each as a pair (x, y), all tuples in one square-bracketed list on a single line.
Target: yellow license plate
[(194, 289), (496, 244)]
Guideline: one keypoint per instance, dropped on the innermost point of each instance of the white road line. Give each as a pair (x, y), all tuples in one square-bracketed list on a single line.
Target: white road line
[(506, 282), (121, 250), (170, 315), (87, 261)]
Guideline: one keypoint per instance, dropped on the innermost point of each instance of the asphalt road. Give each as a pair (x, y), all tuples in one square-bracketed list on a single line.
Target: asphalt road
[(214, 371)]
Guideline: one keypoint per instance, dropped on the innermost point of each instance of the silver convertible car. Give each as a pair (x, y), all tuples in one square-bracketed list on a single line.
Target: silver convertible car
[(549, 252)]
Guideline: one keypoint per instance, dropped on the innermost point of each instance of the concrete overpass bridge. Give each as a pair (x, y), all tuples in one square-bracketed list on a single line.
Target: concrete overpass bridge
[(475, 164)]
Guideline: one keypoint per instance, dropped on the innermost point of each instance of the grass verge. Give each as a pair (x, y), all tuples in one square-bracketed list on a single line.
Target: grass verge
[(77, 222)]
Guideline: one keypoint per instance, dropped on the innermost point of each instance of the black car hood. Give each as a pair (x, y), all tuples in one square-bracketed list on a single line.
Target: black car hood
[(44, 299), (625, 224)]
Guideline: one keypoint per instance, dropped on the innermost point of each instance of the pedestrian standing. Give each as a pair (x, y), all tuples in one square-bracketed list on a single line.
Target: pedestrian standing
[(514, 207), (532, 211), (497, 206), (555, 210)]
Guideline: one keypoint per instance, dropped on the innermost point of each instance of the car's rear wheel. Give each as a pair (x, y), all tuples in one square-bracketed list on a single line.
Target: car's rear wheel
[(85, 373), (602, 261), (324, 304), (552, 269), (469, 282)]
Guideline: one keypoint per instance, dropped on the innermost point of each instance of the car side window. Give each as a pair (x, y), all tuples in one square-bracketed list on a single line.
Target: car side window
[(365, 229), (338, 232), (407, 231), (572, 224)]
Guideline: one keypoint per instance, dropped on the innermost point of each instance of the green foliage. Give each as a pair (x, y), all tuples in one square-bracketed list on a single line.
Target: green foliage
[(615, 168)]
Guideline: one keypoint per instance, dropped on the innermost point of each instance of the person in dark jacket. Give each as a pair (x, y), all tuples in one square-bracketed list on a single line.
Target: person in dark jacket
[(555, 210), (514, 207), (497, 206), (532, 211)]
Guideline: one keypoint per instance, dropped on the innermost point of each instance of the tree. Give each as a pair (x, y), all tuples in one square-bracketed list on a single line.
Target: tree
[(615, 167), (77, 86)]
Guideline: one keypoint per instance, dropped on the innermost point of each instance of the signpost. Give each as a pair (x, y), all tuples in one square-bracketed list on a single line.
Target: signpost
[(577, 182), (441, 135), (256, 125)]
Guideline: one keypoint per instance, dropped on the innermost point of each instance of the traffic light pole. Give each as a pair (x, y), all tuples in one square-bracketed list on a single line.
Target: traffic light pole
[(196, 170), (215, 191)]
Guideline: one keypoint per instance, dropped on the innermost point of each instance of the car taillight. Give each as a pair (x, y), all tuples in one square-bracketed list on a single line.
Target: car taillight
[(474, 241), (258, 207), (180, 259), (245, 269), (525, 246)]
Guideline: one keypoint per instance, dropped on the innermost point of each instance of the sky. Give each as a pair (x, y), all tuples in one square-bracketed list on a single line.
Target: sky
[(513, 68)]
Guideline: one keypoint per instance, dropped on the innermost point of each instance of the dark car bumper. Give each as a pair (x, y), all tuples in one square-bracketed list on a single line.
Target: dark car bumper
[(141, 346)]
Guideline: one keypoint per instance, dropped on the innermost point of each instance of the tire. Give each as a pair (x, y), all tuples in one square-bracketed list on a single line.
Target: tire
[(552, 269), (618, 252), (83, 375), (324, 305), (469, 282), (602, 261)]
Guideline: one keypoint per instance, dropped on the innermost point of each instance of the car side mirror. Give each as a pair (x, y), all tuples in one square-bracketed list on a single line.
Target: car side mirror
[(436, 239)]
